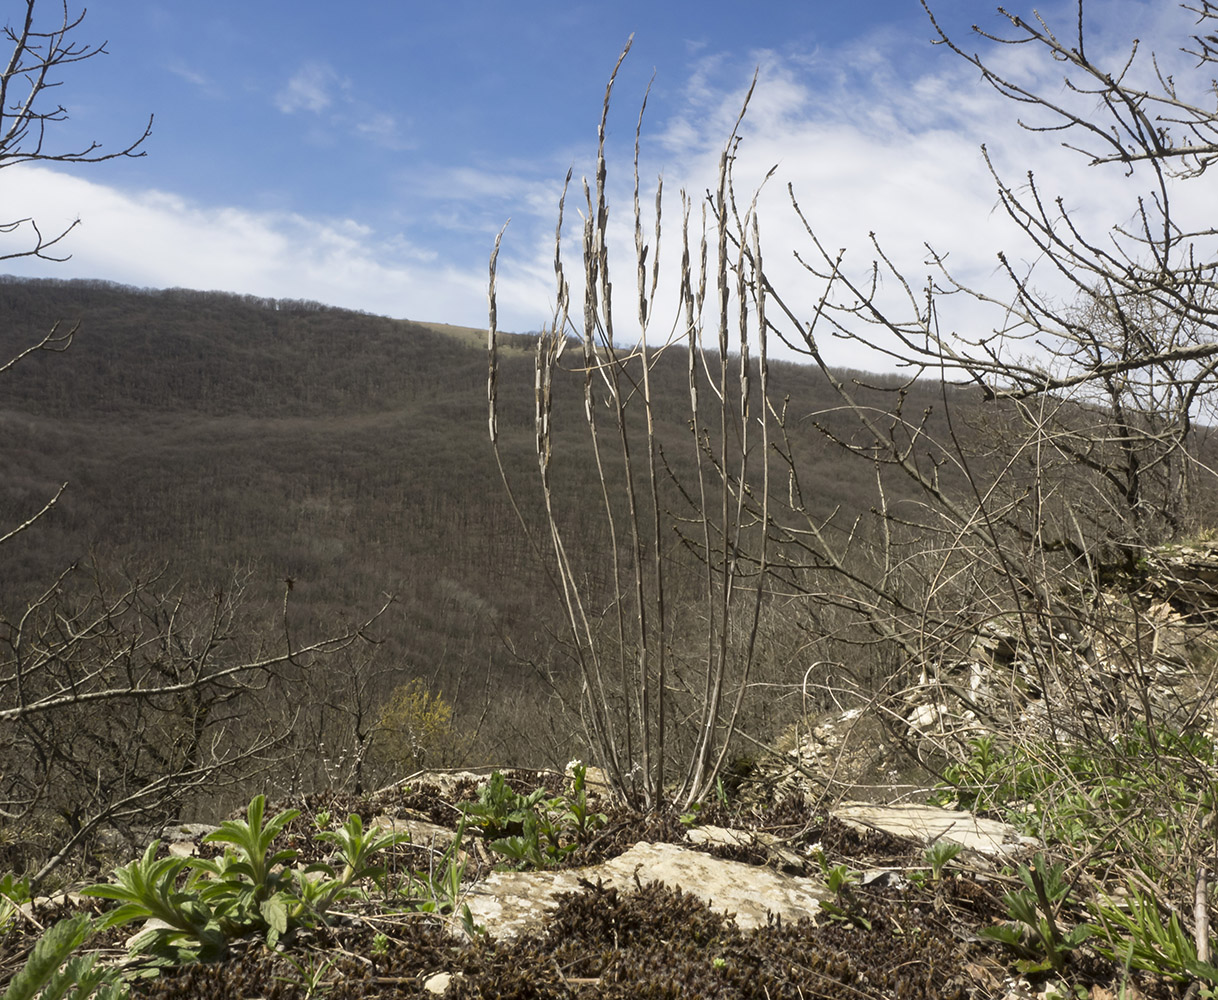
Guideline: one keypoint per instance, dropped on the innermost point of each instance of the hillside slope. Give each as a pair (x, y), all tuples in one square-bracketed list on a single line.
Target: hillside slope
[(348, 452)]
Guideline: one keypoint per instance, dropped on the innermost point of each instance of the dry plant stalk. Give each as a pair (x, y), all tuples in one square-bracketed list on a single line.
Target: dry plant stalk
[(1088, 463), (627, 680)]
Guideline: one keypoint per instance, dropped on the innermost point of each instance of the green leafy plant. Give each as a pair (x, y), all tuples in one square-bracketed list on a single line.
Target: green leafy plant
[(1133, 933), (577, 815), (250, 888), (936, 858), (14, 893), (845, 906), (310, 974), (253, 838), (988, 777), (534, 830), (536, 845), (939, 855), (441, 887), (500, 810), (1034, 934), (320, 885), (356, 848), (52, 971), (1135, 796), (147, 889), (200, 904), (472, 930), (1058, 790)]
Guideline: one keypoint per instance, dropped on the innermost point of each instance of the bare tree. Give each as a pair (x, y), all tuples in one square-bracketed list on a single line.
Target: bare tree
[(1105, 390), (120, 696), (39, 54), (1024, 546), (1037, 542), (1162, 266)]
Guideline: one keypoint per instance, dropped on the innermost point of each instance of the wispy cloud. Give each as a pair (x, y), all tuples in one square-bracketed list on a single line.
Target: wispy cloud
[(311, 88), (381, 127), (320, 90), (189, 74)]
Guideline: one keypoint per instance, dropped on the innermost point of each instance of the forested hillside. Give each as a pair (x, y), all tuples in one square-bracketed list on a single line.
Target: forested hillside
[(250, 479), (257, 550), (205, 434)]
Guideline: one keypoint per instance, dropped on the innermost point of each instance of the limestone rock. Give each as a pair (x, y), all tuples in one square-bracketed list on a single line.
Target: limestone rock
[(421, 832), (927, 824), (709, 834), (187, 832), (439, 983), (511, 903)]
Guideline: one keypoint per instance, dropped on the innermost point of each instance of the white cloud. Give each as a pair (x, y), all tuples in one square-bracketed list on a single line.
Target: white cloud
[(320, 90), (864, 148), (158, 239), (310, 89), (869, 150)]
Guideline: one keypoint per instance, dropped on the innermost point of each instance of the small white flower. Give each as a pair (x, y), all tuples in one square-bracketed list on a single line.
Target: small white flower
[(573, 763)]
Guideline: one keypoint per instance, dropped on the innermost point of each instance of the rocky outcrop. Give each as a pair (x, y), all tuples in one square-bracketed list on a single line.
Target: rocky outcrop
[(1093, 666), (1186, 577), (509, 903), (787, 883)]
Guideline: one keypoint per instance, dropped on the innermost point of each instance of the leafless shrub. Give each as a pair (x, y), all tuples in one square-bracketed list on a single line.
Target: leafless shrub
[(1006, 585), (122, 699)]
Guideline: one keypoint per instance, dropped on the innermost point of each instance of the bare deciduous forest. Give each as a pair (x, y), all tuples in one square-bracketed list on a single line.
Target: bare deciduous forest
[(206, 436)]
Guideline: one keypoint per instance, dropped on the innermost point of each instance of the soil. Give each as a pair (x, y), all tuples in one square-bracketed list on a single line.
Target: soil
[(892, 938)]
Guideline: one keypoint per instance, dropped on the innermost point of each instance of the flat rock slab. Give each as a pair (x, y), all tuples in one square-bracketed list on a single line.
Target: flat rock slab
[(511, 903), (929, 824), (187, 832), (422, 833), (723, 836)]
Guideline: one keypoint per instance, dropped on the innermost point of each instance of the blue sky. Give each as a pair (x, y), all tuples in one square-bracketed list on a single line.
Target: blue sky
[(366, 155)]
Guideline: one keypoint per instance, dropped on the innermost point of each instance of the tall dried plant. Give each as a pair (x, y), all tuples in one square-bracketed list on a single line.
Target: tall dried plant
[(626, 673)]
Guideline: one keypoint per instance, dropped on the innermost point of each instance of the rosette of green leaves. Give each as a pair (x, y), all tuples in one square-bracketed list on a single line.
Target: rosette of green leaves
[(1034, 934), (355, 847), (250, 888), (182, 926), (500, 810)]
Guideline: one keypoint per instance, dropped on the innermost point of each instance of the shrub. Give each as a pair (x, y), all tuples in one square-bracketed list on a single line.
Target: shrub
[(416, 729)]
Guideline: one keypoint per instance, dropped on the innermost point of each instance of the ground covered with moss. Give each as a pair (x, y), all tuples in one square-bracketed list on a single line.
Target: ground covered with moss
[(889, 937)]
